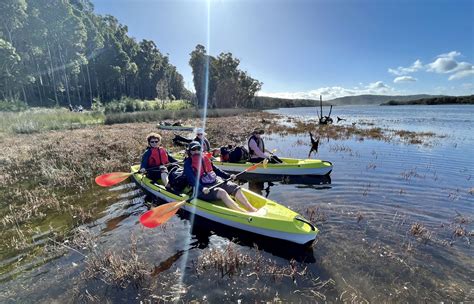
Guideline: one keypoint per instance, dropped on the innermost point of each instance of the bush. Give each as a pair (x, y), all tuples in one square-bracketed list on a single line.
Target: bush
[(12, 106), (130, 105)]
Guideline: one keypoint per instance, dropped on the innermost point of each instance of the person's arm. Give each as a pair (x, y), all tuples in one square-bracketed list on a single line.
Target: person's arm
[(220, 173), (190, 175), (253, 145), (145, 157)]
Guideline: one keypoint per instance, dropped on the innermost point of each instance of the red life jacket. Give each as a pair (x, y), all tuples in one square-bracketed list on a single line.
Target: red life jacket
[(158, 157), (206, 165)]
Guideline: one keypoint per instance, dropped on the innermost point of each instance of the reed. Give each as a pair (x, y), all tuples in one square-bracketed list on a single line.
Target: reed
[(39, 120)]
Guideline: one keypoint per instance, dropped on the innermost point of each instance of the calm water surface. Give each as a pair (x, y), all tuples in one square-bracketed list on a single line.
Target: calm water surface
[(368, 248)]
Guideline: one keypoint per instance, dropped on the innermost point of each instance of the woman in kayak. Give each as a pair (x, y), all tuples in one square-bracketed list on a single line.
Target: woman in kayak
[(156, 159), (201, 171), (257, 148), (200, 138)]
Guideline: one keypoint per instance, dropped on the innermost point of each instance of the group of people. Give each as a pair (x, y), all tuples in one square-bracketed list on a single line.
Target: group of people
[(209, 182)]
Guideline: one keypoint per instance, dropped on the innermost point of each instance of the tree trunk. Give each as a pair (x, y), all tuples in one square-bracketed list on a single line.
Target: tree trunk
[(52, 74)]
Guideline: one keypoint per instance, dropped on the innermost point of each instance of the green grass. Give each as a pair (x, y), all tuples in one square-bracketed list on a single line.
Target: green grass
[(35, 120), (40, 119), (128, 105)]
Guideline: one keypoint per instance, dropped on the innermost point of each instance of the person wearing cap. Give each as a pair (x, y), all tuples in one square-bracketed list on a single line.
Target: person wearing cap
[(203, 174), (200, 137), (257, 148), (155, 159)]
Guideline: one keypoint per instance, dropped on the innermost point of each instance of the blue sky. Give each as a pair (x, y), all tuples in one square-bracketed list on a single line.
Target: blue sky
[(301, 49)]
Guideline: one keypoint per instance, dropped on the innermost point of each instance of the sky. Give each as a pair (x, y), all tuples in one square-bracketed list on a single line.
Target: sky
[(303, 48)]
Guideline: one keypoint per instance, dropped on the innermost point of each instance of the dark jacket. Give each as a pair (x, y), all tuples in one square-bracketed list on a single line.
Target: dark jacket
[(191, 175)]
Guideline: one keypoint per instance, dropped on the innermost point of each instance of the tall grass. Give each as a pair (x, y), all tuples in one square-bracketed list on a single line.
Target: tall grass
[(41, 119), (155, 116)]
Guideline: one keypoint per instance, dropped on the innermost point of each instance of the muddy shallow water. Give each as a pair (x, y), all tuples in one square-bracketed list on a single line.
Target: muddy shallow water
[(395, 224)]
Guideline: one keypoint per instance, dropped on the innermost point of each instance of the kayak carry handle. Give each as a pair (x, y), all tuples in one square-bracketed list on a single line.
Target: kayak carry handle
[(302, 219)]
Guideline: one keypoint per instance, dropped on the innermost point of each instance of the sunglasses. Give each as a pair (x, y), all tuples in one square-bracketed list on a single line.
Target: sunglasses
[(200, 134), (196, 149), (154, 141)]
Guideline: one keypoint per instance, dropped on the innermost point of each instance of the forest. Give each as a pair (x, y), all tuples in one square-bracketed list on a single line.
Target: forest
[(57, 53)]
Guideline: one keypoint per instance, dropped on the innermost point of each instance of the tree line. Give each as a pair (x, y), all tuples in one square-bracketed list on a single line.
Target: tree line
[(434, 101), (55, 52), (59, 52), (221, 82)]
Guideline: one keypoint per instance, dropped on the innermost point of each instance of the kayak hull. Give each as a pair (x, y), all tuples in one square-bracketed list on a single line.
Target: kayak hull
[(290, 166), (272, 220)]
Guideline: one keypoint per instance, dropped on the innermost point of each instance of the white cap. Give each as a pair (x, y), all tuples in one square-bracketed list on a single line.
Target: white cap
[(200, 131)]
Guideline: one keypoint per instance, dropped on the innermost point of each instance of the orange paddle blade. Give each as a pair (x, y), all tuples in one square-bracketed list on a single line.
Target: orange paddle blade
[(253, 167), (110, 179), (161, 214)]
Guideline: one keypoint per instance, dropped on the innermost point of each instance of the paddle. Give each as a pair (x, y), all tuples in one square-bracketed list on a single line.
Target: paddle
[(161, 214), (110, 179)]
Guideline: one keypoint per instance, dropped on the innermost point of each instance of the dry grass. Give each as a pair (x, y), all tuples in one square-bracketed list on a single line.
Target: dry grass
[(45, 173), (118, 269)]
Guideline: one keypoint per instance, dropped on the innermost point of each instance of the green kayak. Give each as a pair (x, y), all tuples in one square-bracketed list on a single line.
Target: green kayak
[(271, 220)]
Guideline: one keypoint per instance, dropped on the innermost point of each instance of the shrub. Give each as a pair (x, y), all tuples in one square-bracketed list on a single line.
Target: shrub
[(12, 106)]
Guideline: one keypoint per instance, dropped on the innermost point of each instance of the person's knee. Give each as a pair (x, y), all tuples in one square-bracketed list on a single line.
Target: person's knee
[(221, 193)]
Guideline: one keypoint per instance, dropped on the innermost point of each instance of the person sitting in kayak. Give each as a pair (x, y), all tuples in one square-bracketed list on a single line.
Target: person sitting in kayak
[(202, 172), (257, 148), (201, 139), (155, 159)]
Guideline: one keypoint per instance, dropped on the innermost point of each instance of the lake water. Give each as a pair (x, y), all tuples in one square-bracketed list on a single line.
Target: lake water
[(395, 220)]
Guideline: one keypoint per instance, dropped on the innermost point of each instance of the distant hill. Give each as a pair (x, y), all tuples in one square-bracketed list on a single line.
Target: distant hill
[(263, 102), (375, 99), (434, 101)]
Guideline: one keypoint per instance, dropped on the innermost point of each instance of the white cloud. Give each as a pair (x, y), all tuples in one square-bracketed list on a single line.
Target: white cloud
[(376, 88), (404, 79), (451, 55), (416, 66), (444, 64), (377, 85), (462, 74)]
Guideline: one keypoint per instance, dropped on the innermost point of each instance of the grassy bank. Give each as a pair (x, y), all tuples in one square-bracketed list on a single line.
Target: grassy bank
[(37, 120), (156, 116)]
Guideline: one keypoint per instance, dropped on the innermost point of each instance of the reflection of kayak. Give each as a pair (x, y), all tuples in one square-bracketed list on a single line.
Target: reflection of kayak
[(175, 128), (271, 220)]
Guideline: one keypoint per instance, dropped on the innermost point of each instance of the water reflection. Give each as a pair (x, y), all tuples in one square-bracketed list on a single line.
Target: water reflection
[(203, 230), (262, 184)]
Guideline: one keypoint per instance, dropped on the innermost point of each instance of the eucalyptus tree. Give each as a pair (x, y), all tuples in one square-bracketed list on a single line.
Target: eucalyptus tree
[(204, 75), (59, 52)]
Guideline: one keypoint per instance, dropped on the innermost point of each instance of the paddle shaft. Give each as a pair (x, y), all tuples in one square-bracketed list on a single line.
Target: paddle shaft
[(254, 166)]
